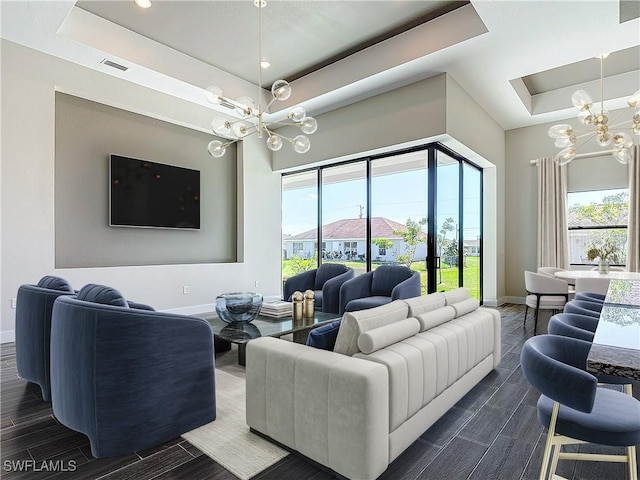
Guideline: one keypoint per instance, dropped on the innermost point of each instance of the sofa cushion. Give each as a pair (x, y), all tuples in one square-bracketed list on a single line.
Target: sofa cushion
[(381, 337), (425, 303), (366, 303), (324, 337), (466, 306), (102, 294), (436, 317), (455, 296), (55, 283), (355, 323)]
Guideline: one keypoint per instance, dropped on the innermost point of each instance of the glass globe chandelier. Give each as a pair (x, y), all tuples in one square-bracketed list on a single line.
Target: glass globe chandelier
[(567, 138), (251, 115)]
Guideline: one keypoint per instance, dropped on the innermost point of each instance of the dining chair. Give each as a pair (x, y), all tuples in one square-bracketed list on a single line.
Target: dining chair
[(584, 307), (544, 293), (573, 325), (583, 327), (574, 408), (593, 285)]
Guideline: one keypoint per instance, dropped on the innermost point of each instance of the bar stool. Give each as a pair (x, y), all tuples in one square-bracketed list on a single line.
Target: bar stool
[(574, 408)]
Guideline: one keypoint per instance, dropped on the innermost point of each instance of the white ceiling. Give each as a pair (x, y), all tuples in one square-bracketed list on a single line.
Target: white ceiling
[(181, 47)]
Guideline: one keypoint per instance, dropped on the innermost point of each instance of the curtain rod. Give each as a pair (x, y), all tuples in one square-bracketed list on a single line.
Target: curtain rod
[(583, 155)]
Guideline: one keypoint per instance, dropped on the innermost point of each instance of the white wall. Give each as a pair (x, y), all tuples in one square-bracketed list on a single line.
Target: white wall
[(522, 146), (29, 82)]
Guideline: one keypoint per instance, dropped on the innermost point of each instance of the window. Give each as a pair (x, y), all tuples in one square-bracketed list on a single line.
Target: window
[(298, 248), (420, 207), (597, 222)]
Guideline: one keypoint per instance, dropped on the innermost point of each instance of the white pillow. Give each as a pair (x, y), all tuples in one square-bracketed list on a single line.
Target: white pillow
[(437, 317), (455, 296), (381, 337), (466, 306), (355, 323), (425, 303)]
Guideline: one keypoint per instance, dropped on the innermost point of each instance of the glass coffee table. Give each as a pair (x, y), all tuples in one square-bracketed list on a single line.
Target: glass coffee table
[(242, 333)]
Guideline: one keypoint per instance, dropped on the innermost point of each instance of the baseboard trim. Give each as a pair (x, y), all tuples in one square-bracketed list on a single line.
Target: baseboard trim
[(516, 300), (7, 336)]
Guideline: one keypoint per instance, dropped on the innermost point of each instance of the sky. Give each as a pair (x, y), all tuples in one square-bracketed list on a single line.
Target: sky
[(396, 196)]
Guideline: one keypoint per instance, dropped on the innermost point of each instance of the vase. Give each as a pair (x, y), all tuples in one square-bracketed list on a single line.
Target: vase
[(603, 266), (238, 306)]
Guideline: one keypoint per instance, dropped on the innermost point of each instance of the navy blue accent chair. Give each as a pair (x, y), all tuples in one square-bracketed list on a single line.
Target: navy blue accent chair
[(325, 281), (381, 286), (129, 378), (34, 305), (572, 405)]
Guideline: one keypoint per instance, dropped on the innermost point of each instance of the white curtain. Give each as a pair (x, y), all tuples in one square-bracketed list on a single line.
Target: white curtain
[(553, 243), (633, 231)]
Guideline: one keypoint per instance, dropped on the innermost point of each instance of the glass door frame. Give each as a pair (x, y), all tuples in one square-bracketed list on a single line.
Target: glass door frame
[(432, 150)]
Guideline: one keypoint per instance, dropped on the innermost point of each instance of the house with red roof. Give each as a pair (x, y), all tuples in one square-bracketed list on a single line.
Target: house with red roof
[(346, 240)]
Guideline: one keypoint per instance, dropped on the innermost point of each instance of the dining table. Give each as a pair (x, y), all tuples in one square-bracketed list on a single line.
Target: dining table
[(616, 345), (611, 274)]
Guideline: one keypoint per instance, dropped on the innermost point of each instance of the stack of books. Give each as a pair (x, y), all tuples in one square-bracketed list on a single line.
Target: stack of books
[(276, 309)]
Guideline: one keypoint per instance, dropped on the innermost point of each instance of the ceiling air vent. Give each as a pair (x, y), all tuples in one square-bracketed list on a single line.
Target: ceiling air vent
[(114, 65)]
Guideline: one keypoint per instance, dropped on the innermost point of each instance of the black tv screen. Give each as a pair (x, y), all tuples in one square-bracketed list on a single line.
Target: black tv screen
[(149, 194)]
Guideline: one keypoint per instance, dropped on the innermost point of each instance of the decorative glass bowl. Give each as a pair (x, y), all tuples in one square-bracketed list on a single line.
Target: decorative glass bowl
[(238, 306)]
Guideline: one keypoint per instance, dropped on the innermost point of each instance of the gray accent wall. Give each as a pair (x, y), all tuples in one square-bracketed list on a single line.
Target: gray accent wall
[(86, 133)]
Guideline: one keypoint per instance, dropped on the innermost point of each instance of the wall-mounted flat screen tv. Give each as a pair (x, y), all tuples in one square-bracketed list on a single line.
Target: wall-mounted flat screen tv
[(148, 194)]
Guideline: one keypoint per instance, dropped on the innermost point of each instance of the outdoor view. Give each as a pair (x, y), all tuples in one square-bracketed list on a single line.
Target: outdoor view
[(398, 218), (597, 224)]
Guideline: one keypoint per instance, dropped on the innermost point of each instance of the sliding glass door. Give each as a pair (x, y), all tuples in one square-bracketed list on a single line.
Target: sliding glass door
[(399, 212), (421, 208)]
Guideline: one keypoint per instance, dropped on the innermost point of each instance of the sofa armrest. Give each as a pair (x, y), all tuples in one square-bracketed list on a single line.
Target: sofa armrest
[(300, 282), (331, 291), (408, 288), (358, 287), (330, 407), (140, 306)]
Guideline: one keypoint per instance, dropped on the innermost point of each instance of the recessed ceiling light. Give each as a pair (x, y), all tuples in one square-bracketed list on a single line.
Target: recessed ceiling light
[(143, 3), (265, 64)]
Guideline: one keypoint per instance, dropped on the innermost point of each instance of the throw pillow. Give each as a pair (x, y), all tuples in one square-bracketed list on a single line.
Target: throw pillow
[(324, 337), (55, 283), (102, 294), (355, 323)]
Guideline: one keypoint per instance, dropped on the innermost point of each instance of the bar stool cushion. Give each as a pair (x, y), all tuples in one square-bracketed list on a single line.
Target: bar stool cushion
[(614, 419)]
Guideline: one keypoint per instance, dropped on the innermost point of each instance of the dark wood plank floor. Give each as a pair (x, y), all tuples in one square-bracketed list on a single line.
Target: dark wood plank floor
[(492, 433)]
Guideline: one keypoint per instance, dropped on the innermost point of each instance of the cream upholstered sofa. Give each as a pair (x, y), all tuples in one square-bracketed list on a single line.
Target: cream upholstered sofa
[(394, 371)]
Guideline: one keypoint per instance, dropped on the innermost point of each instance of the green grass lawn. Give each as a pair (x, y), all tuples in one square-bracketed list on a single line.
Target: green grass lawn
[(447, 277)]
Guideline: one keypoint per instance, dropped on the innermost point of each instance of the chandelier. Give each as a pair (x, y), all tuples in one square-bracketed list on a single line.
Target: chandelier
[(570, 140), (251, 115)]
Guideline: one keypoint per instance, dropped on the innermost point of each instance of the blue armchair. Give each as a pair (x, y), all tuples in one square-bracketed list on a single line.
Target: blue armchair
[(325, 281), (128, 378), (383, 285), (34, 305)]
